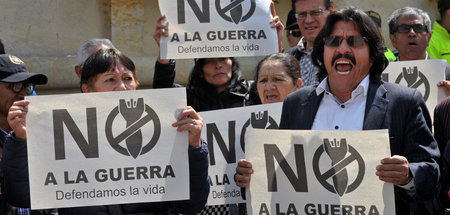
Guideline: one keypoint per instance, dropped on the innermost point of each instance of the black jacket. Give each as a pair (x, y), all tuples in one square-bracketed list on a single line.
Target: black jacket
[(207, 98)]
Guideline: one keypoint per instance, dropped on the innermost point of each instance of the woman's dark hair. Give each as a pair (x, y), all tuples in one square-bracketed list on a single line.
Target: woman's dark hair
[(287, 60), (102, 61), (368, 29), (197, 78)]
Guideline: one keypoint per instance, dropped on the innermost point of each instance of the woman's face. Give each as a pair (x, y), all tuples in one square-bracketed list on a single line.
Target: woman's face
[(118, 78), (217, 72), (274, 83)]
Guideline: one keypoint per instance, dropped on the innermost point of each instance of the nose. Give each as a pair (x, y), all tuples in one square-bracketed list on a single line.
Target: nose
[(23, 93), (343, 47), (219, 64), (411, 32), (121, 86), (309, 18)]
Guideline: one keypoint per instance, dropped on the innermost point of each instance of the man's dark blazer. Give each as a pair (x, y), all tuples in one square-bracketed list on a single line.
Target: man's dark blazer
[(399, 109)]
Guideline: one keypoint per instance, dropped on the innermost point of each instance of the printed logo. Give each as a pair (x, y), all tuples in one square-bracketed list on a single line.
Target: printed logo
[(258, 120), (15, 60), (415, 79), (235, 10), (132, 112), (341, 155)]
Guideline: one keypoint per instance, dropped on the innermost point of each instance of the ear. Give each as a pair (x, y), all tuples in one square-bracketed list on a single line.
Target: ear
[(429, 37), (299, 83), (78, 71), (85, 88), (393, 40)]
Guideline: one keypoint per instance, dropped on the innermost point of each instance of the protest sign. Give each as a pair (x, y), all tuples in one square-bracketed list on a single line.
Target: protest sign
[(422, 75), (219, 28), (317, 172), (106, 148), (225, 131)]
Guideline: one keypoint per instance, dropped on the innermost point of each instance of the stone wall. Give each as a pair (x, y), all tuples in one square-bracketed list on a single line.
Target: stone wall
[(47, 33)]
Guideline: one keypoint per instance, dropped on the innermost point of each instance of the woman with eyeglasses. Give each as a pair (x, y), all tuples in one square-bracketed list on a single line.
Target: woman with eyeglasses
[(110, 70)]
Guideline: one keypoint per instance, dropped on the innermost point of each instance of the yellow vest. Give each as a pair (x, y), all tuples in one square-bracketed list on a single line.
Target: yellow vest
[(439, 47), (390, 55)]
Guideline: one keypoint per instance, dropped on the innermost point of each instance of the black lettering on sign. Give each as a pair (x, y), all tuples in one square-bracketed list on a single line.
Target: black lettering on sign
[(272, 153), (212, 132), (201, 14), (89, 147)]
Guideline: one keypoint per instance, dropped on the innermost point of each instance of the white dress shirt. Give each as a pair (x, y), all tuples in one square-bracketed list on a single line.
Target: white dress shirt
[(334, 114)]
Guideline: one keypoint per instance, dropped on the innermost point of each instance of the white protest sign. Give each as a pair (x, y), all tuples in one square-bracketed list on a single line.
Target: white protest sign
[(106, 148), (217, 28), (317, 172), (225, 131), (420, 74)]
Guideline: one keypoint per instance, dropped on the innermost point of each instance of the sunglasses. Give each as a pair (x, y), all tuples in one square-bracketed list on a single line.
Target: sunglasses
[(303, 14), (294, 32), (418, 28), (353, 41), (19, 86)]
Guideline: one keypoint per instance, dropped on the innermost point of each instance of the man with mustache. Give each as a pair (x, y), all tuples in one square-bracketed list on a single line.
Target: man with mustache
[(410, 33), (351, 96)]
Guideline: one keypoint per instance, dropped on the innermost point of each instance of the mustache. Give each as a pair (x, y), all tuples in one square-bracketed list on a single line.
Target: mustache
[(338, 56)]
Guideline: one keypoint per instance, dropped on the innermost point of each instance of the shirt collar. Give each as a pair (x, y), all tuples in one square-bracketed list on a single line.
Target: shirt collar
[(427, 57), (362, 86)]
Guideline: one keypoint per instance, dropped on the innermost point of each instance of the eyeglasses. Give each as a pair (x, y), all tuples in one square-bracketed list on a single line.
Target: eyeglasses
[(294, 32), (353, 41), (19, 86), (418, 28), (303, 14)]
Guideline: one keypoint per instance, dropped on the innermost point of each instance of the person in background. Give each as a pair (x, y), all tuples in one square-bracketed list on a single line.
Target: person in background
[(439, 47), (311, 16), (276, 76), (390, 55), (108, 70), (349, 52), (442, 135), (410, 33), (15, 83), (87, 49), (293, 33)]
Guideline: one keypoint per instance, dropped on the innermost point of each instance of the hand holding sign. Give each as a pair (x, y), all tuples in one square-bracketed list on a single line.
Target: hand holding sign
[(445, 85), (243, 173), (17, 118), (190, 121), (394, 170), (275, 22)]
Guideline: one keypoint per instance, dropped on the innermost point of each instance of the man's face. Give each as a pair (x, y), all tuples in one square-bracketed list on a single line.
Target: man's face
[(346, 65), (310, 26), (411, 45), (8, 98)]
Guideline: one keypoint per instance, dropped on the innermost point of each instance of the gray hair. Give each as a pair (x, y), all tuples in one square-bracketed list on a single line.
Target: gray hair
[(409, 12), (83, 52)]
